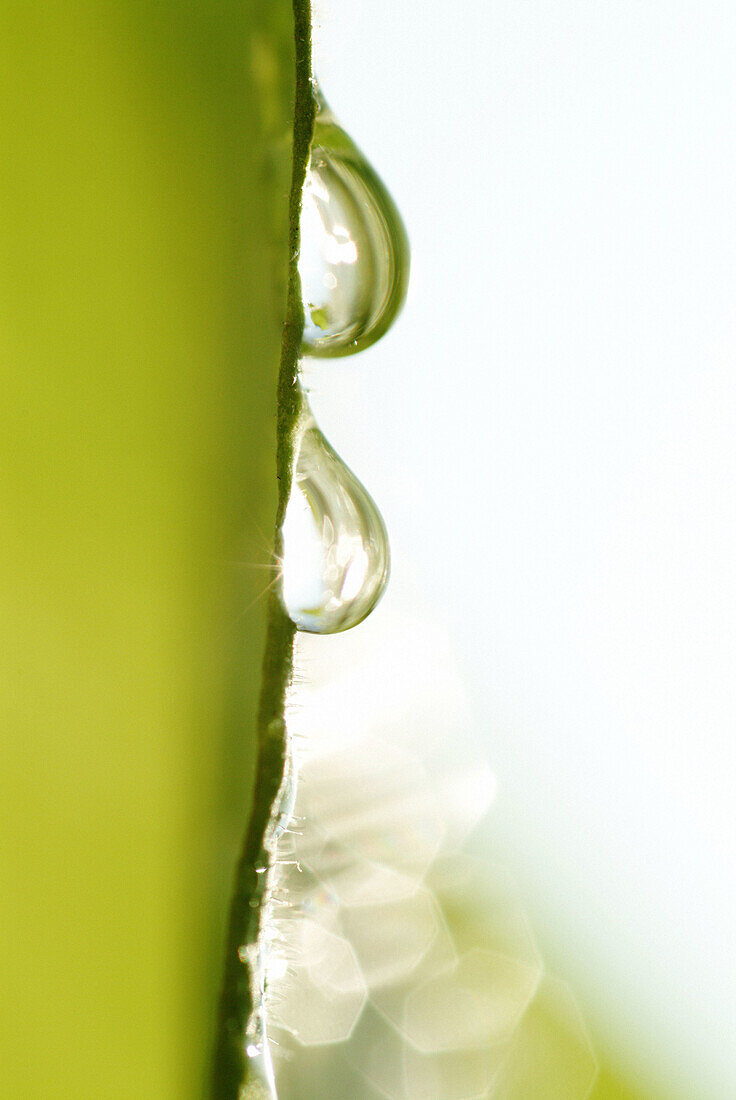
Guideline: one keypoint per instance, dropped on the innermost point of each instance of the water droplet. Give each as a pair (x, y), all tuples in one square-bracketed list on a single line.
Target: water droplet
[(354, 259), (258, 1050), (336, 553), (283, 807)]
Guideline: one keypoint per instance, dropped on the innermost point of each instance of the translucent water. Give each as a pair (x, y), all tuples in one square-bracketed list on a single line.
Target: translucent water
[(354, 259), (258, 1052), (257, 1046), (283, 807), (336, 553)]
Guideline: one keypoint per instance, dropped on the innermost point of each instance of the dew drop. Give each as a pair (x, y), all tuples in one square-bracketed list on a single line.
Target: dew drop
[(283, 807), (336, 552), (258, 1051), (354, 259)]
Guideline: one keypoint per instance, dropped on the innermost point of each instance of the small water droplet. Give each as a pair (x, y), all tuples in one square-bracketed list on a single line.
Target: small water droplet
[(257, 1049), (354, 259), (283, 808), (336, 552)]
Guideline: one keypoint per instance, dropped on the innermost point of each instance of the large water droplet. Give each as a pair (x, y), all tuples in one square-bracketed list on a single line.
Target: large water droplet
[(354, 259), (336, 553)]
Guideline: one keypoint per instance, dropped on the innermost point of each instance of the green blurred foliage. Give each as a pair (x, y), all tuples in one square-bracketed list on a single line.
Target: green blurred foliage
[(144, 214)]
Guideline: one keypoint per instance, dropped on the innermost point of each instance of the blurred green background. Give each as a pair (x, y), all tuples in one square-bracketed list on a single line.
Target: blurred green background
[(144, 210)]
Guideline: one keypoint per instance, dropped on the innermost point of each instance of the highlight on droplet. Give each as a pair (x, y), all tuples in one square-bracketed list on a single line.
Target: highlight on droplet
[(336, 557), (354, 255)]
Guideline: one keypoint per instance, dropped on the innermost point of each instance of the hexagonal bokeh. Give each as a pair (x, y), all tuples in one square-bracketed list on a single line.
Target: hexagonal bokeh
[(392, 938), (375, 802), (321, 1000), (481, 905), (454, 1075), (376, 1052), (390, 999), (476, 1004), (357, 882), (397, 967), (384, 1060), (550, 1056)]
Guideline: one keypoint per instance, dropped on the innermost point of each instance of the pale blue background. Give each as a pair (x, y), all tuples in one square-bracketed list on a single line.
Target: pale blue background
[(550, 431)]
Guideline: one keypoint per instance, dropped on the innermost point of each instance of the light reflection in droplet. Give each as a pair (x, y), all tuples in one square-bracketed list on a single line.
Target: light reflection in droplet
[(354, 255), (336, 553)]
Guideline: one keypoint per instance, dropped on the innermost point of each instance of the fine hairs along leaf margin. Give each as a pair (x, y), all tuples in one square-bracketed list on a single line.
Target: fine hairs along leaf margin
[(230, 1067)]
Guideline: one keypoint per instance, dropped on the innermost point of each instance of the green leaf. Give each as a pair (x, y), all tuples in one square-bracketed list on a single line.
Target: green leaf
[(146, 239)]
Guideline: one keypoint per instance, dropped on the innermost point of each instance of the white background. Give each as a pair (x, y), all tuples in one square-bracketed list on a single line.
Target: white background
[(550, 431)]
